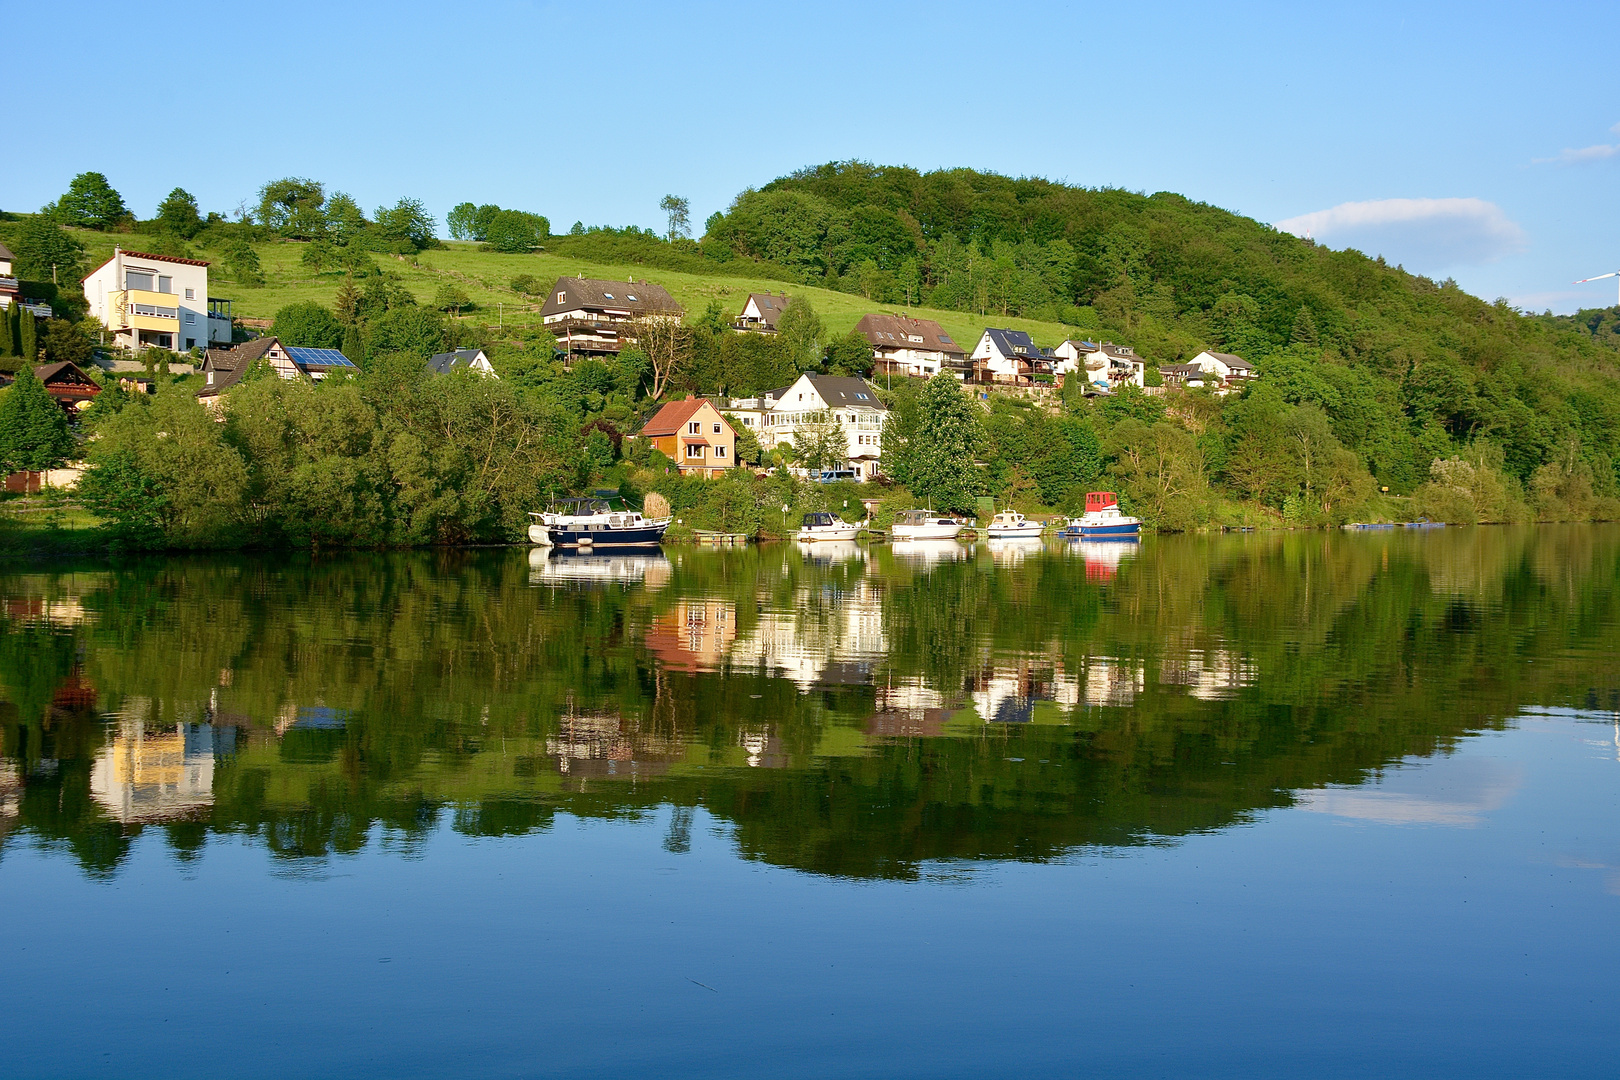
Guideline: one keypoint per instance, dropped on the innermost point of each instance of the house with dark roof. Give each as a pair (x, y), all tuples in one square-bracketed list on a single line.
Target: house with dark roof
[(1227, 366), (223, 368), (592, 317), (461, 360), (1187, 375), (694, 435), (905, 346), (1011, 357), (151, 300), (849, 403), (761, 311), (66, 382)]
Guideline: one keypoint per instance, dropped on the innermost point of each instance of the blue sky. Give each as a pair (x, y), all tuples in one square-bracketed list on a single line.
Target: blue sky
[(1477, 141)]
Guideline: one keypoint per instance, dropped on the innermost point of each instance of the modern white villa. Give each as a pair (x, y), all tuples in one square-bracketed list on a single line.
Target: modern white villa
[(850, 403), (157, 300)]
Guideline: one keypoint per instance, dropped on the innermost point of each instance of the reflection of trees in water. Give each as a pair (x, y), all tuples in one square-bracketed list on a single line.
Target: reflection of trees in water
[(837, 717)]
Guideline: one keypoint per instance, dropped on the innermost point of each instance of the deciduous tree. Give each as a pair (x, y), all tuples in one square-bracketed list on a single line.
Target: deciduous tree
[(91, 201)]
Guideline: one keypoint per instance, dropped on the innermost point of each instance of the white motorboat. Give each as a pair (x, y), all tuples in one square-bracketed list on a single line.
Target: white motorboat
[(1010, 523), (824, 526), (1102, 520), (924, 525), (594, 523)]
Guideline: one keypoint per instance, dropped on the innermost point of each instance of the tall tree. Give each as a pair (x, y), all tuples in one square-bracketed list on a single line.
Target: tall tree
[(679, 211), (667, 344), (178, 213), (8, 337), (43, 247), (802, 330), (948, 435), (34, 431), (27, 336), (406, 223), (293, 207), (91, 200), (308, 324), (459, 221)]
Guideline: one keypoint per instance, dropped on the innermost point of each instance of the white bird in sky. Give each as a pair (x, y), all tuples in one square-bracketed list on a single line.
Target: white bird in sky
[(1600, 277)]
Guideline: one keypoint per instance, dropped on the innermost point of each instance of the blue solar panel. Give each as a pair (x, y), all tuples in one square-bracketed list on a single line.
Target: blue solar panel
[(320, 357)]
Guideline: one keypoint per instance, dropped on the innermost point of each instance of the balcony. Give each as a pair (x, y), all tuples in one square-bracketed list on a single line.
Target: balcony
[(9, 285), (142, 309)]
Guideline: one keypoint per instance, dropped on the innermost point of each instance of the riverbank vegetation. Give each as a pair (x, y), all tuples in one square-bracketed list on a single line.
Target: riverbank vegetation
[(1382, 394)]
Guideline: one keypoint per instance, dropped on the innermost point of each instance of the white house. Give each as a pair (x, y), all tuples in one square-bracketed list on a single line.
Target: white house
[(848, 402), (593, 317), (1105, 365), (761, 311), (159, 300), (1009, 356), (1227, 366), (744, 413), (906, 346), (8, 279), (468, 359)]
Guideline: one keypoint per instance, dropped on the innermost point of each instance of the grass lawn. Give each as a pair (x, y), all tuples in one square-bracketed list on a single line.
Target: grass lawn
[(486, 277), (47, 525)]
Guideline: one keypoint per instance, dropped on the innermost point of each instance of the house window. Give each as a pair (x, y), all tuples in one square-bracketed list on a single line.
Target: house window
[(191, 343), (719, 451), (631, 297), (717, 429), (191, 316), (191, 294), (561, 297), (608, 295), (694, 450), (165, 284), (693, 428)]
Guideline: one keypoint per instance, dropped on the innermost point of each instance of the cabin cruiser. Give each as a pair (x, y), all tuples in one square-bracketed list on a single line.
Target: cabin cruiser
[(824, 526), (1010, 523), (924, 525), (594, 523), (1102, 520)]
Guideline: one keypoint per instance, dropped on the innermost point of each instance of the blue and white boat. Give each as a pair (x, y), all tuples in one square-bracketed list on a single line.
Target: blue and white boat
[(1102, 520), (595, 524)]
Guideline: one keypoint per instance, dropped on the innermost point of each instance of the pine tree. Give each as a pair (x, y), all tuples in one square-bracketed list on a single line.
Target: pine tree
[(34, 431), (28, 339), (1304, 328)]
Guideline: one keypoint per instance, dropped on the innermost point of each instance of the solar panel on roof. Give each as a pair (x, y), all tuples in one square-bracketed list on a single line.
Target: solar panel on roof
[(319, 357)]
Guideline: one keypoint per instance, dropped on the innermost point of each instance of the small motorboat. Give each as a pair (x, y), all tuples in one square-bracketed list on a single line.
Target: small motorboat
[(594, 523), (824, 526), (1102, 520), (924, 525), (1010, 524)]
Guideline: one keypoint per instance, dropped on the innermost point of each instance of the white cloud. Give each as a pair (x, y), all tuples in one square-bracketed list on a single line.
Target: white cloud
[(1459, 792), (1586, 154), (1427, 235)]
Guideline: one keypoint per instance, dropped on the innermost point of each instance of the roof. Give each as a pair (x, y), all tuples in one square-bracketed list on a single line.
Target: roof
[(770, 306), (670, 419), (1012, 342), (50, 372), (1232, 361), (145, 255), (1080, 344), (323, 358), (638, 298), (5, 252), (846, 391), (893, 332), (239, 356), (442, 363)]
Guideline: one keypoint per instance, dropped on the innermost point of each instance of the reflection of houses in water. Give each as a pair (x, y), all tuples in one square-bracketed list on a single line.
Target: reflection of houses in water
[(693, 635), (148, 775), (908, 710), (763, 748), (310, 718), (1211, 674), (44, 610), (11, 790), (830, 637), (1112, 681), (1007, 694), (603, 746)]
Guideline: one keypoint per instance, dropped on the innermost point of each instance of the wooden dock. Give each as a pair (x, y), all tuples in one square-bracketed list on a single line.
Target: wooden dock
[(720, 539)]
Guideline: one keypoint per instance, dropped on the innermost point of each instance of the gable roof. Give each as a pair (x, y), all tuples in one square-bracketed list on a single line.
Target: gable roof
[(1080, 344), (62, 369), (672, 418), (638, 298), (1012, 342), (846, 392), (1231, 361), (894, 332), (318, 358), (5, 253), (442, 363), (239, 356), (770, 306)]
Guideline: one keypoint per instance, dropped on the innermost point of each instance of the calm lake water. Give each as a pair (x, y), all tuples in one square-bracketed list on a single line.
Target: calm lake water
[(1254, 806)]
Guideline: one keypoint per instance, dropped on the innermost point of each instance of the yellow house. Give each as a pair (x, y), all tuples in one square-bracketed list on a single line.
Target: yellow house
[(694, 435)]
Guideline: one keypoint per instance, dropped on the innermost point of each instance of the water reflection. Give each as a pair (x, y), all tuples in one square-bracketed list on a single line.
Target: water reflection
[(856, 712)]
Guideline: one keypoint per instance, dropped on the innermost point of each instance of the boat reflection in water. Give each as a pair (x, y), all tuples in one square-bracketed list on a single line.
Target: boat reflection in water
[(1012, 550), (1103, 556), (562, 566), (929, 552), (831, 552)]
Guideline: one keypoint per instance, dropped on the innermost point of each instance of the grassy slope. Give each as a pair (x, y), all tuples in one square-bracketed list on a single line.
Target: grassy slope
[(485, 277)]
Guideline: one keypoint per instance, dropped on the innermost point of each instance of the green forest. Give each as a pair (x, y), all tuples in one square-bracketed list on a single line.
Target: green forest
[(1381, 394)]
